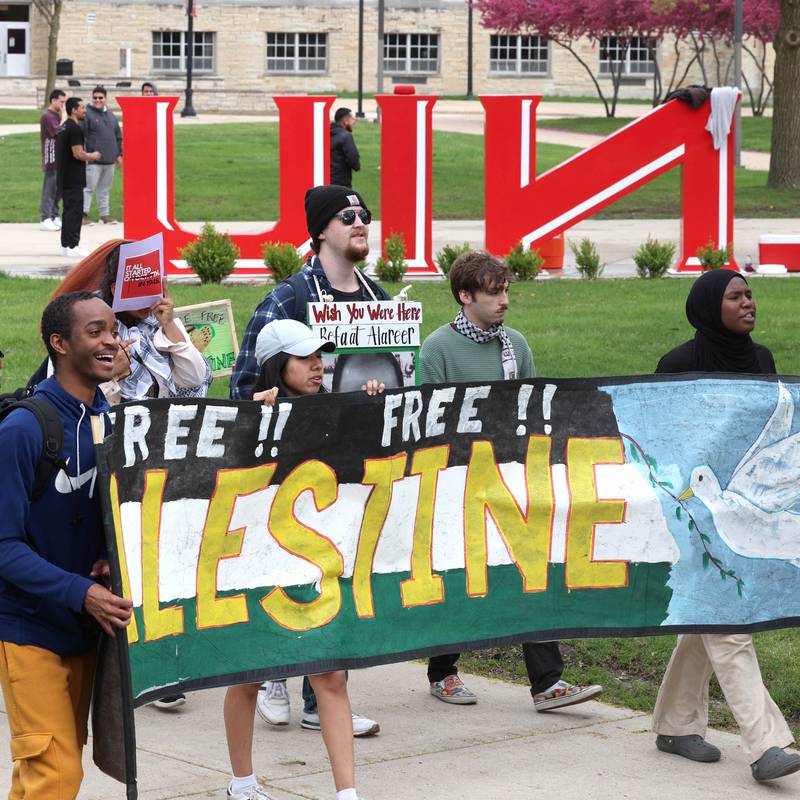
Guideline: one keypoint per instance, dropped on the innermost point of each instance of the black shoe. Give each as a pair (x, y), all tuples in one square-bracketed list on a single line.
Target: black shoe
[(775, 763), (692, 747)]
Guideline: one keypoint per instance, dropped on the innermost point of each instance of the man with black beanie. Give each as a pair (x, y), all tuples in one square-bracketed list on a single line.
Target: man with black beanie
[(337, 219)]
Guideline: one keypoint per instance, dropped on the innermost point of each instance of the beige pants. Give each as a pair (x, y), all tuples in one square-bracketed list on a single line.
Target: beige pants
[(682, 705)]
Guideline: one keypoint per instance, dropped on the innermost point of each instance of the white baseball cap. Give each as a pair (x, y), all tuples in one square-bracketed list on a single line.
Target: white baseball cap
[(288, 336)]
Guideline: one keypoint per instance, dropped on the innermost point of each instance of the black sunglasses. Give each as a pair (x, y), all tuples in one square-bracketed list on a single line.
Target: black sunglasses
[(348, 216)]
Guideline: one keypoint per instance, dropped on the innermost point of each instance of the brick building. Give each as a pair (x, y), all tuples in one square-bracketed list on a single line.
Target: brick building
[(245, 51)]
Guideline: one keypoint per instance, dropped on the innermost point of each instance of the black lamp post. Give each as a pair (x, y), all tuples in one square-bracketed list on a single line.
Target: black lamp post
[(469, 48), (360, 111), (188, 108)]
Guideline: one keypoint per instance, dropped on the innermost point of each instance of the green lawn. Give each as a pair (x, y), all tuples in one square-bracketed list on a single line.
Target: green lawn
[(240, 182), (576, 328), (756, 131), (19, 116)]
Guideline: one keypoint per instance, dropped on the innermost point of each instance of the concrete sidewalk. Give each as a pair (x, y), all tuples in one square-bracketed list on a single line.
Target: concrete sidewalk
[(499, 749), (29, 251)]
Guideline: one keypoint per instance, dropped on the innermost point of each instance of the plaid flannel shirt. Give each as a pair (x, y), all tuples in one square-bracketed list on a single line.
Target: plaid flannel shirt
[(279, 304)]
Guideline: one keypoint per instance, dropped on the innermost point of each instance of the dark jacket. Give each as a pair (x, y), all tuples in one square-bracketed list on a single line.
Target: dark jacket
[(344, 156), (103, 134), (681, 359), (47, 548)]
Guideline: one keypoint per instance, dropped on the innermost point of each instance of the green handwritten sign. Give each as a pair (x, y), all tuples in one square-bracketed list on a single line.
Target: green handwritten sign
[(213, 332)]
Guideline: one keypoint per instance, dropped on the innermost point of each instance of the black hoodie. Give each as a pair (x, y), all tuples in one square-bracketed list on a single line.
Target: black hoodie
[(344, 156)]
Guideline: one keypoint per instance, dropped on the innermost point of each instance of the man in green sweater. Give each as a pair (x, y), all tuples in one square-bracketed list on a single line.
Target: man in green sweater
[(476, 346)]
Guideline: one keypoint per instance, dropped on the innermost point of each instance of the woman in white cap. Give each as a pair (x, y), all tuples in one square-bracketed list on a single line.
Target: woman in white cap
[(290, 362)]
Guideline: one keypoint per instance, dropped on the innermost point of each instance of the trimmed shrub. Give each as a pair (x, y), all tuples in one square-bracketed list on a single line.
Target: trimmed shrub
[(653, 258), (713, 257), (392, 268), (587, 259), (212, 255), (282, 260), (448, 254), (524, 264)]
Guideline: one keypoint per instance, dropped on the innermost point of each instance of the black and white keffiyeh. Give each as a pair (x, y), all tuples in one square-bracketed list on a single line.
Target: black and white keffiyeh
[(151, 370), (472, 331)]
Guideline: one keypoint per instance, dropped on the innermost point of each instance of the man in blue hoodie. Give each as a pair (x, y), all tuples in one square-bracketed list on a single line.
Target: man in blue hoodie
[(51, 553)]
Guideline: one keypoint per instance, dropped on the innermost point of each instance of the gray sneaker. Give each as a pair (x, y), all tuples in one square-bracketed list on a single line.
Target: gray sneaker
[(694, 747), (775, 763)]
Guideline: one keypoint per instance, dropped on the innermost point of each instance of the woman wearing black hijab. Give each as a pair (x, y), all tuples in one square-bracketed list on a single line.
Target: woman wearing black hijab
[(721, 309)]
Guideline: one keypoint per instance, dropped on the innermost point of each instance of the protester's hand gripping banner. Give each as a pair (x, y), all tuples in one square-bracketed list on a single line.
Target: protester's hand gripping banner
[(346, 530)]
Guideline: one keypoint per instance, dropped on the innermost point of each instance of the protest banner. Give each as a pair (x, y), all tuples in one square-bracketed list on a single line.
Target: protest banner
[(341, 531), (377, 339), (140, 275), (212, 329)]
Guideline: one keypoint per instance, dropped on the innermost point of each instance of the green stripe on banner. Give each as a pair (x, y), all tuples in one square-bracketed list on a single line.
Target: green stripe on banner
[(261, 645)]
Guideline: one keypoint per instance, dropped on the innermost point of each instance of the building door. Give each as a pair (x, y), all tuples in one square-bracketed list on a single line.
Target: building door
[(15, 49), (15, 39)]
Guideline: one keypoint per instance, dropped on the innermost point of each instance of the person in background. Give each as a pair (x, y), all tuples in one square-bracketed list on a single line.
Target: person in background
[(289, 359), (53, 117), (338, 220), (476, 346), (344, 153), (71, 161), (52, 599), (721, 309), (103, 134), (149, 89), (163, 361)]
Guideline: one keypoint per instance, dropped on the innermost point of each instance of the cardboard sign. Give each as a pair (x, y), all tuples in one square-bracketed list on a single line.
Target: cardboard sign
[(213, 332), (140, 275), (367, 325), (377, 339)]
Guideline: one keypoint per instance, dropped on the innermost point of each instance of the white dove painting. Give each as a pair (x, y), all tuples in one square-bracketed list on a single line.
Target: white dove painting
[(758, 513)]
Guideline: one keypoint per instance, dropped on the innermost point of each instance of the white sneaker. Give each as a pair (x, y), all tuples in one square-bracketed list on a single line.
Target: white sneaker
[(48, 225), (362, 726), (253, 792), (170, 701), (74, 252), (273, 703), (57, 222)]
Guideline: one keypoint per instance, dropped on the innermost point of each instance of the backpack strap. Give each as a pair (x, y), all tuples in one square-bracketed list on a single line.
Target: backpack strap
[(38, 376), (301, 295), (50, 461)]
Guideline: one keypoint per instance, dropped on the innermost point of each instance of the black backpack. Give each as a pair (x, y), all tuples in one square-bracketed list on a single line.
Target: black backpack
[(50, 461)]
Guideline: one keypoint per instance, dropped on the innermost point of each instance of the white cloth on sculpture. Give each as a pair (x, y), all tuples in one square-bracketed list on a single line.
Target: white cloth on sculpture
[(723, 104)]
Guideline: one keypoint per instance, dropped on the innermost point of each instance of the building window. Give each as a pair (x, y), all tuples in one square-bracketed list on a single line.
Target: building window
[(522, 54), (411, 52), (297, 52), (169, 51), (636, 60)]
